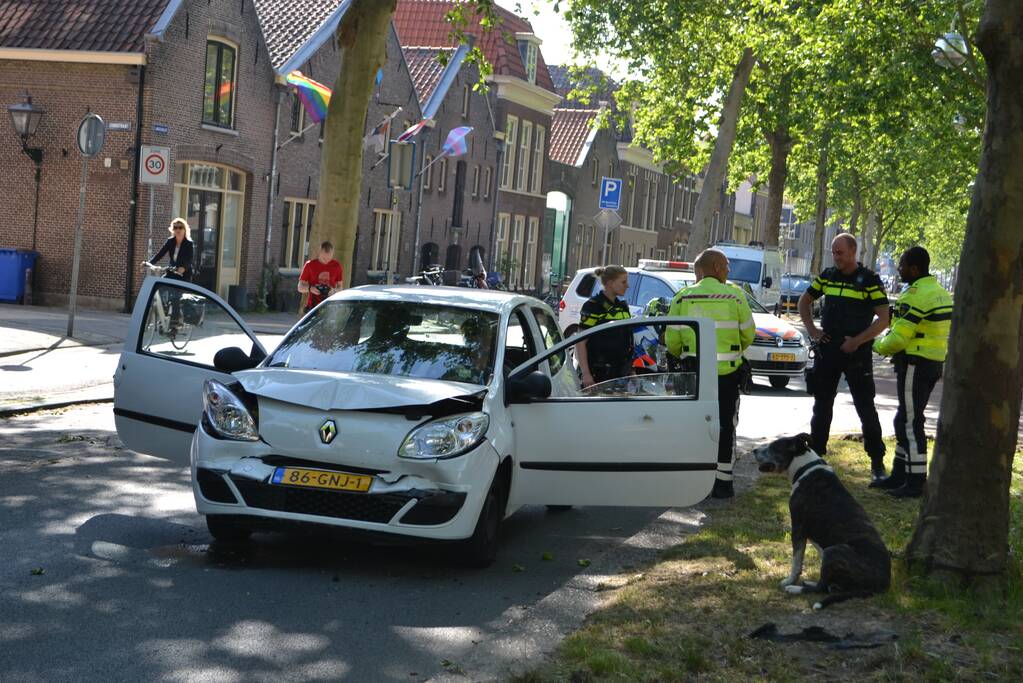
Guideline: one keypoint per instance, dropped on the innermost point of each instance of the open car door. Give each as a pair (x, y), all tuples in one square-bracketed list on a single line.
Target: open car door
[(176, 329), (642, 440)]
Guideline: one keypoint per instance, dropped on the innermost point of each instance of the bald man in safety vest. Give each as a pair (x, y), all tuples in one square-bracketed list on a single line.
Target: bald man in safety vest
[(712, 297)]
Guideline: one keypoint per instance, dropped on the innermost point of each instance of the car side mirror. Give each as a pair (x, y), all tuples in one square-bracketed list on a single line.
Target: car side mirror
[(233, 359), (768, 282), (525, 388)]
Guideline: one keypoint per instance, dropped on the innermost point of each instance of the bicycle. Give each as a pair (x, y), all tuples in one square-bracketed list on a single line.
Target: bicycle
[(178, 334), (431, 276)]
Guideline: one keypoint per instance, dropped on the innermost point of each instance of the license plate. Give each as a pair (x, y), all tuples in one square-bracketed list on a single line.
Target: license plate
[(783, 357), (321, 479)]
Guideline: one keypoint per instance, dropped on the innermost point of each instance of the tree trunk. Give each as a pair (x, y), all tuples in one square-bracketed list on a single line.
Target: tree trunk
[(821, 214), (857, 207), (962, 533), (362, 37), (781, 144), (709, 201), (867, 238)]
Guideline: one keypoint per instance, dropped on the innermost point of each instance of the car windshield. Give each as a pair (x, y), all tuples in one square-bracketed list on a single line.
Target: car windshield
[(744, 269), (402, 338)]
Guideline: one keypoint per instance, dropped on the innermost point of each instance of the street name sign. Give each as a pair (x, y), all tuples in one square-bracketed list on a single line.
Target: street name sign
[(610, 193)]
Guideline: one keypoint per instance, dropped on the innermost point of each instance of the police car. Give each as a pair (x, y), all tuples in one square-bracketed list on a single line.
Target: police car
[(779, 351), (420, 412)]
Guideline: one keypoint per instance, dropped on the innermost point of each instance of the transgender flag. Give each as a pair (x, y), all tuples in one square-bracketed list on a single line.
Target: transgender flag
[(455, 145)]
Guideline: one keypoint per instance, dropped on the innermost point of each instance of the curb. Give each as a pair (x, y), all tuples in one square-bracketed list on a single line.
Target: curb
[(19, 352), (74, 398)]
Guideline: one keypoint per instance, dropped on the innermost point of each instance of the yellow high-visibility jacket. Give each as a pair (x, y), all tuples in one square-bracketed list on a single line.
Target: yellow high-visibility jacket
[(923, 316), (727, 306)]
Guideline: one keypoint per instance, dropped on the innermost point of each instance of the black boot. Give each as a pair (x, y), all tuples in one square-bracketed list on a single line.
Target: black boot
[(913, 488), (897, 478), (722, 489), (877, 469)]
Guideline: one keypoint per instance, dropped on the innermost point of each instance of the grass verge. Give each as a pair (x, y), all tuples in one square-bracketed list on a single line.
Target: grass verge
[(689, 616)]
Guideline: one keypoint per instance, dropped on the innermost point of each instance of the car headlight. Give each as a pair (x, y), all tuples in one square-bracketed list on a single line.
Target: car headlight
[(445, 438), (227, 413)]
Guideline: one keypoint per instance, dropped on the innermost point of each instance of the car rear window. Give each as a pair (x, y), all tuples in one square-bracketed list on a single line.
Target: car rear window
[(402, 338)]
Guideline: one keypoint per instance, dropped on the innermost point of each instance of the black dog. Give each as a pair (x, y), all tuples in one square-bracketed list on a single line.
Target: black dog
[(854, 560)]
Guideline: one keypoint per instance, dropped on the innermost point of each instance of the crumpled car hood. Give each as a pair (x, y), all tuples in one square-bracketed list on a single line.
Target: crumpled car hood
[(351, 391)]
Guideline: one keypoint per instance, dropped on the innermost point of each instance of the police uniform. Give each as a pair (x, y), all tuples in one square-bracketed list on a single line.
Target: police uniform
[(849, 303), (609, 354), (734, 329), (918, 343)]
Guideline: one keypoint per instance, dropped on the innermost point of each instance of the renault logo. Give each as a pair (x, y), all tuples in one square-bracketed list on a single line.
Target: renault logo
[(328, 430)]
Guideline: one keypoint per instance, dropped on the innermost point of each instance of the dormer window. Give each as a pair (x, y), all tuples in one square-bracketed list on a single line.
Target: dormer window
[(529, 48)]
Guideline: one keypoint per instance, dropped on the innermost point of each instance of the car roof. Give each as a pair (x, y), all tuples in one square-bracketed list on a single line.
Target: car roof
[(491, 300)]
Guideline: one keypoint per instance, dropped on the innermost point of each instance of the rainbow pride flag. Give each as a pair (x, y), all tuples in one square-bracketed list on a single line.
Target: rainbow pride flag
[(315, 97)]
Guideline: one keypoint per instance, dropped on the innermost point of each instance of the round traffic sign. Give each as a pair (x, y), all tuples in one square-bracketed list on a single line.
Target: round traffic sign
[(154, 164), (92, 132)]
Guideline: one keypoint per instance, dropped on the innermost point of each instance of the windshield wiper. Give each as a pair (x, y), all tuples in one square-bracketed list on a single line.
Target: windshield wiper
[(278, 364)]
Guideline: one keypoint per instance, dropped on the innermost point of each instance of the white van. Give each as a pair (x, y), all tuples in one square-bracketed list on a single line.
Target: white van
[(759, 267)]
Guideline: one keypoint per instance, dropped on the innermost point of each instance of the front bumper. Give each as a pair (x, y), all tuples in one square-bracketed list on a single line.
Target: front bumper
[(423, 499), (763, 363)]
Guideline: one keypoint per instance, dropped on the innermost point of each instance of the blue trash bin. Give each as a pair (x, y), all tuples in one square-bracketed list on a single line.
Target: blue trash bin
[(13, 264)]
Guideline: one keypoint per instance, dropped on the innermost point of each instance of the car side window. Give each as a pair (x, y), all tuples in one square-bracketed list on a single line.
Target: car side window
[(188, 326), (585, 286), (518, 341), (551, 335), (652, 288)]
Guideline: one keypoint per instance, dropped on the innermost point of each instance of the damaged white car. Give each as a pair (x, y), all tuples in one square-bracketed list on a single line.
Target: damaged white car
[(427, 412)]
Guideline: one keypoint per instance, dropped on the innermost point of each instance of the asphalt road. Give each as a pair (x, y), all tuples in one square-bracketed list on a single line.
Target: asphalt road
[(107, 572)]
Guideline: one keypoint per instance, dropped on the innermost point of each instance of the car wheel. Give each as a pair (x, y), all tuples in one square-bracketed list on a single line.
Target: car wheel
[(480, 550), (779, 382), (226, 529), (559, 508)]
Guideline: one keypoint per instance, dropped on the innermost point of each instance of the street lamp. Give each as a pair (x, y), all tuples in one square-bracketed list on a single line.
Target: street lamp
[(25, 118), (949, 50)]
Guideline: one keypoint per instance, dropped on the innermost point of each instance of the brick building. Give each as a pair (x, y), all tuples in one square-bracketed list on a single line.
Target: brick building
[(204, 78), (524, 99), (456, 214)]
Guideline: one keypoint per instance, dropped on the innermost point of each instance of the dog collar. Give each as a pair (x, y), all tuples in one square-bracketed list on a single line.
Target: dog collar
[(807, 469)]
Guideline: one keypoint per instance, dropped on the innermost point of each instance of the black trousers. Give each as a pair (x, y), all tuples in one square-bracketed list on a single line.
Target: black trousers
[(829, 366), (728, 413), (603, 370), (916, 380)]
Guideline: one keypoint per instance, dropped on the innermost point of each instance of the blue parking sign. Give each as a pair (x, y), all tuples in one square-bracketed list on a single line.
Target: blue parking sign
[(610, 193)]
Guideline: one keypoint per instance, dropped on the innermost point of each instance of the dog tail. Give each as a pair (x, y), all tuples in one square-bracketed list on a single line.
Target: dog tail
[(842, 597)]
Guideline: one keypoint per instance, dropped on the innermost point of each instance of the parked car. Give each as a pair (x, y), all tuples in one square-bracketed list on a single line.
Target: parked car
[(779, 351), (422, 412), (792, 287), (757, 266)]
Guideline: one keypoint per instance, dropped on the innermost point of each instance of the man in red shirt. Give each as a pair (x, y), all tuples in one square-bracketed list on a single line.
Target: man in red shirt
[(320, 277)]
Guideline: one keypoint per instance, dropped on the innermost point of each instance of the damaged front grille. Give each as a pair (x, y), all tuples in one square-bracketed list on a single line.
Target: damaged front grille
[(363, 507)]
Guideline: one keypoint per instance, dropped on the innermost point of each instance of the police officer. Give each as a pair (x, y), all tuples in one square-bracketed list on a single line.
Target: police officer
[(855, 312), (712, 297), (918, 343), (607, 355)]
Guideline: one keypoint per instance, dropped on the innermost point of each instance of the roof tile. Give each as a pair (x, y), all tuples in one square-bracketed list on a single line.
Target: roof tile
[(288, 25), (421, 22), (93, 25), (424, 69), (569, 130)]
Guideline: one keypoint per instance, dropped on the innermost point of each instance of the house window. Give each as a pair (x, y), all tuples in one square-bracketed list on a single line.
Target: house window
[(486, 183), (528, 52), (632, 199), (442, 173), (651, 214), (531, 234), (516, 250), (538, 157), (646, 202), (295, 231), (669, 204), (501, 247), (509, 152), (523, 169), (594, 172), (218, 93), (427, 172), (475, 181), (297, 116), (386, 235), (466, 94)]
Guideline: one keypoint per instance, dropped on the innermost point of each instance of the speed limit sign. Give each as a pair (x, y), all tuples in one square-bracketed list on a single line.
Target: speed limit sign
[(155, 165)]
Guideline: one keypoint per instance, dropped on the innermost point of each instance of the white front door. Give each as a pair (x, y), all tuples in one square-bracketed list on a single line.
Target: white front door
[(176, 330), (644, 440)]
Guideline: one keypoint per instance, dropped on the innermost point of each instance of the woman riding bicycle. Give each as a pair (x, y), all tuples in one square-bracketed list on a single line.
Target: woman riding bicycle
[(180, 248)]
